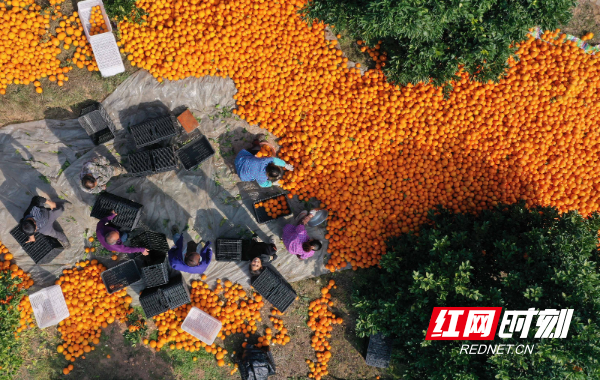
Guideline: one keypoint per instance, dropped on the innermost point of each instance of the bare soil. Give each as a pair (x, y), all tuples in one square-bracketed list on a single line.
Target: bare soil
[(586, 18)]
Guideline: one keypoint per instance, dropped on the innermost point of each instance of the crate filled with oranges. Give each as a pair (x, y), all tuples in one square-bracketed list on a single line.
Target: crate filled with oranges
[(97, 23), (266, 150), (271, 208)]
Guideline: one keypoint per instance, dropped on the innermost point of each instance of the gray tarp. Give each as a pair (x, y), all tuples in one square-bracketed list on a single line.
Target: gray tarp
[(211, 200)]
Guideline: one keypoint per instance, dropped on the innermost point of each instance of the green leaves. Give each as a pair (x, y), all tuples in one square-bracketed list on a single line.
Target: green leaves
[(432, 39), (512, 257)]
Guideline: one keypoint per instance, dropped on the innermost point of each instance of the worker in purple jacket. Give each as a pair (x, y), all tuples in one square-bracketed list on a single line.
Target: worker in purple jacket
[(186, 258), (112, 239)]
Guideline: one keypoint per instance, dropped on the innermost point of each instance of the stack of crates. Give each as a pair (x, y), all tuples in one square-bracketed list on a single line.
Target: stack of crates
[(166, 297), (229, 250), (195, 152), (128, 212), (379, 352), (155, 271), (155, 130), (274, 288), (97, 124), (43, 250)]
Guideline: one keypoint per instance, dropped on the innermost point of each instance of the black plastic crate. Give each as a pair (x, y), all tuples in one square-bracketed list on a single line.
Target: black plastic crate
[(156, 269), (261, 215), (120, 276), (153, 131), (229, 250), (128, 212), (140, 164), (163, 159), (379, 352), (97, 124), (43, 250), (153, 241), (195, 152), (275, 289), (176, 293), (153, 302)]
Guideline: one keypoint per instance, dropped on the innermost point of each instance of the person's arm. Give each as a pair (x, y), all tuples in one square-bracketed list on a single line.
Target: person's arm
[(107, 218), (125, 249), (175, 255), (265, 184), (206, 254), (279, 162)]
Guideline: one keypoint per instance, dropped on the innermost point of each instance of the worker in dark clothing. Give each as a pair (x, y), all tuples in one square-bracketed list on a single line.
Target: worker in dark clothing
[(259, 254), (40, 217)]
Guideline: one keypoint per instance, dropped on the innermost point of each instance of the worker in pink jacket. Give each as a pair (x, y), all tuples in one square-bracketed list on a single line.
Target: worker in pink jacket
[(296, 239)]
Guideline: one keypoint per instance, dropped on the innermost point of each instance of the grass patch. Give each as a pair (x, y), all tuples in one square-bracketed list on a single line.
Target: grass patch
[(186, 368)]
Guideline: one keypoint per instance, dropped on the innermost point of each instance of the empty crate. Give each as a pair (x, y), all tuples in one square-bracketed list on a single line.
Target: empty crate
[(156, 269), (229, 250), (274, 289), (176, 293), (379, 352), (128, 212), (43, 250), (153, 302), (153, 241), (153, 131), (97, 124), (120, 276), (195, 152), (201, 325), (49, 306), (261, 214), (140, 164)]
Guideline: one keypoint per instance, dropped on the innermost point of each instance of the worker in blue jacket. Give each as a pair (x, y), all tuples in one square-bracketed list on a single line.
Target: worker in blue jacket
[(267, 171), (186, 258)]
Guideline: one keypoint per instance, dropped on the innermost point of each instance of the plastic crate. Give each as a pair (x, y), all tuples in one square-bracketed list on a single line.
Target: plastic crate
[(176, 293), (275, 289), (195, 152), (140, 164), (156, 269), (153, 131), (201, 325), (261, 215), (49, 306), (153, 241), (120, 276), (229, 250), (163, 159), (104, 45), (97, 124), (128, 212), (153, 302), (43, 250), (379, 352)]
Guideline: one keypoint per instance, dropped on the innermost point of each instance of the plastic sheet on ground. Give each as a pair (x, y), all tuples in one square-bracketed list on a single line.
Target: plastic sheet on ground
[(44, 157)]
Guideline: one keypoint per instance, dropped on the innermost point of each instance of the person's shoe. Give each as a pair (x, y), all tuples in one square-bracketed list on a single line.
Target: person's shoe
[(274, 257), (174, 230), (255, 238)]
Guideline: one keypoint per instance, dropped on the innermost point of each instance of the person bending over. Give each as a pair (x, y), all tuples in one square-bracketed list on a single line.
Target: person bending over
[(259, 254), (40, 217), (112, 239), (267, 171), (296, 239), (96, 173), (186, 258)]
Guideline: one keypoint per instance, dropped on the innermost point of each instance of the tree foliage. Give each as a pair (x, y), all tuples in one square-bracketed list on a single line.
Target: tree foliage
[(510, 257), (10, 296), (430, 38)]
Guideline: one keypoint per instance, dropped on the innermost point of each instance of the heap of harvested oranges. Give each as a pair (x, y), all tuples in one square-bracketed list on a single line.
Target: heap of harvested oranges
[(321, 321), (265, 151), (274, 207), (97, 24), (91, 308)]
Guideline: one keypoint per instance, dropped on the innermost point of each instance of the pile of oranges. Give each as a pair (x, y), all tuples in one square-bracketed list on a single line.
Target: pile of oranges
[(8, 268), (91, 308), (265, 151), (237, 310), (379, 155), (321, 321), (282, 337), (274, 207), (97, 24)]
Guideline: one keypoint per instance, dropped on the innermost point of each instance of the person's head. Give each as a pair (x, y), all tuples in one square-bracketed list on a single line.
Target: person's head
[(311, 245), (256, 266), (112, 237), (28, 226), (88, 181), (192, 259), (274, 172)]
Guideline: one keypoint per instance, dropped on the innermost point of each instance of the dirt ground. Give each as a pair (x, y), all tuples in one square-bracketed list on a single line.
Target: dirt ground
[(586, 18), (139, 362)]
